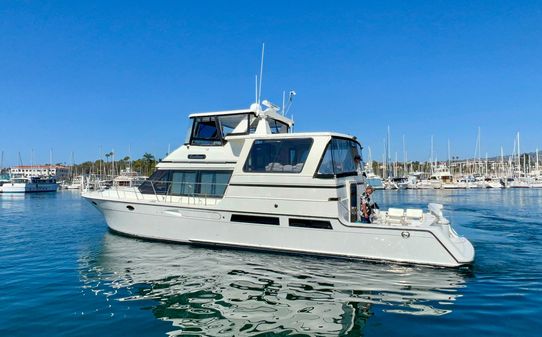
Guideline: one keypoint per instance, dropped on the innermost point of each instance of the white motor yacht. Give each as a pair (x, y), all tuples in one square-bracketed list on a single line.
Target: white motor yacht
[(493, 182), (519, 183), (28, 185), (373, 179), (128, 178), (74, 184), (401, 182), (243, 180), (442, 178)]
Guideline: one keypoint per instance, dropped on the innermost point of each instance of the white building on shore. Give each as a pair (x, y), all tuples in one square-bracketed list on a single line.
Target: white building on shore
[(56, 171)]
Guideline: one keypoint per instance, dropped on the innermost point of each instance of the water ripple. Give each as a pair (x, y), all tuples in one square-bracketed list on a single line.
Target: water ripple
[(240, 292), (63, 274)]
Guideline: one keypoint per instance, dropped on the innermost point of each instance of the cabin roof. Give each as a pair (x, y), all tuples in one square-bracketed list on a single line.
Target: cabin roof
[(292, 135), (221, 113)]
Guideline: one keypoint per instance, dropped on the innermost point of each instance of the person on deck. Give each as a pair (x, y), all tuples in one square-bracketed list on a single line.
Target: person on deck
[(367, 204)]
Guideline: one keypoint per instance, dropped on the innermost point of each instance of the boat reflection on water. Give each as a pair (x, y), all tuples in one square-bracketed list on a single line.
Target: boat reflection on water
[(228, 292)]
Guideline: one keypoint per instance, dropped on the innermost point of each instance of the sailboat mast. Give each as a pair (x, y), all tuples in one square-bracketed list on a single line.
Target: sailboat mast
[(130, 156), (432, 154), (395, 166), (486, 165), (519, 158), (404, 157), (449, 160), (388, 154), (384, 160), (502, 162), (536, 164)]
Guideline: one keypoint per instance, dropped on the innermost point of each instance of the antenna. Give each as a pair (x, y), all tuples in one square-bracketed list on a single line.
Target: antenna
[(261, 75), (283, 101), (291, 96), (256, 89)]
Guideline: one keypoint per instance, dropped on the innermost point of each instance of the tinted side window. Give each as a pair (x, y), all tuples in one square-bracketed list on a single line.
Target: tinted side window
[(187, 182), (183, 182), (157, 183), (281, 155), (214, 183), (206, 132), (326, 165), (278, 127), (343, 155), (338, 158), (234, 124)]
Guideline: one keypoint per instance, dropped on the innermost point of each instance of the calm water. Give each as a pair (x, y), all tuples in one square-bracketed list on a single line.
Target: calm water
[(63, 274)]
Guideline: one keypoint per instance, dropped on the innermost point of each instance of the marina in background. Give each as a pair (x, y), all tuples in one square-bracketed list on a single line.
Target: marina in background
[(515, 170)]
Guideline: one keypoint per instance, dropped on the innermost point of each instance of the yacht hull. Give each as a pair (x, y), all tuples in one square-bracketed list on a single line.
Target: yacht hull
[(28, 187), (431, 246)]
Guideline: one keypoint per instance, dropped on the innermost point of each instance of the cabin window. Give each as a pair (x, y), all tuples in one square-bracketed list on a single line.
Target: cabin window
[(203, 183), (214, 183), (205, 132), (156, 184), (278, 155), (183, 182), (338, 159), (278, 127), (234, 124)]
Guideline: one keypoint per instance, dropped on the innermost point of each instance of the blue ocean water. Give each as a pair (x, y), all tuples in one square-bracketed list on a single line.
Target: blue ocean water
[(63, 274)]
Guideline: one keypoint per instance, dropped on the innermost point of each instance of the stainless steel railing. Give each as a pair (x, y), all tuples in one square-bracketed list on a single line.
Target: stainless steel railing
[(170, 191)]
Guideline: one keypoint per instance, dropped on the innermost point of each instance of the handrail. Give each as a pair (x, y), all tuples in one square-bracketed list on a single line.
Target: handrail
[(192, 193)]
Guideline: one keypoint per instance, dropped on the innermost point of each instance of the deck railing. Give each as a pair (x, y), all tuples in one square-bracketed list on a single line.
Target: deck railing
[(170, 191)]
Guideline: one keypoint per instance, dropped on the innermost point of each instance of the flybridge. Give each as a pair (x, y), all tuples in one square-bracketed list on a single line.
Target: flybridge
[(211, 128)]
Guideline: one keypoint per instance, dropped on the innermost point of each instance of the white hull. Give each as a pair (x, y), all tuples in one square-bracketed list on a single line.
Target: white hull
[(450, 186), (493, 184), (27, 187), (403, 186), (432, 245)]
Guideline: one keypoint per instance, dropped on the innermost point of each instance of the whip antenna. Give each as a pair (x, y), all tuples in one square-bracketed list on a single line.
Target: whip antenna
[(261, 74)]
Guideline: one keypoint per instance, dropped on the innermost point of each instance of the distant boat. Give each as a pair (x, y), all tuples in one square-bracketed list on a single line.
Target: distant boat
[(442, 178), (75, 184), (28, 185), (129, 178), (397, 183), (375, 181), (493, 182), (519, 183)]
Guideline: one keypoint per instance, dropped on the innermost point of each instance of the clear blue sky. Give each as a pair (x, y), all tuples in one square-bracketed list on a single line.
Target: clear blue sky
[(77, 75)]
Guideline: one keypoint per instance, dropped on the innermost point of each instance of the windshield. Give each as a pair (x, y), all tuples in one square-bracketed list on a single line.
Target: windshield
[(339, 158)]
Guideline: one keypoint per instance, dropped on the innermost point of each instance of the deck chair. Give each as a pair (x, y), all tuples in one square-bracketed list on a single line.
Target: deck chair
[(396, 215), (413, 214)]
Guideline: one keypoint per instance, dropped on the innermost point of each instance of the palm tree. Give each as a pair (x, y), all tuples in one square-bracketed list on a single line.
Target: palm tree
[(149, 161), (126, 160)]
